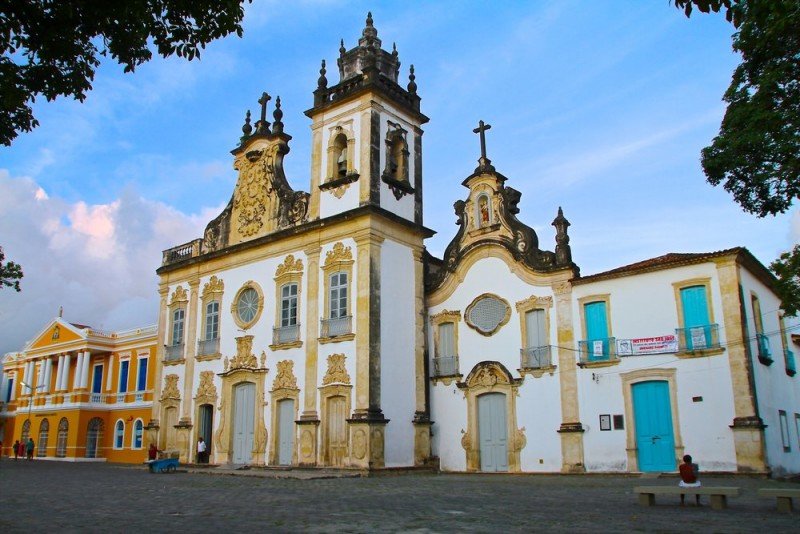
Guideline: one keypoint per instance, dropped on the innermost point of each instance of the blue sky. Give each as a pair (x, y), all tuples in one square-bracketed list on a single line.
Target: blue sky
[(599, 107)]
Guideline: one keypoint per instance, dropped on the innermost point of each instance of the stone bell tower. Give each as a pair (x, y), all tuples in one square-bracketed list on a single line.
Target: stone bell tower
[(367, 140)]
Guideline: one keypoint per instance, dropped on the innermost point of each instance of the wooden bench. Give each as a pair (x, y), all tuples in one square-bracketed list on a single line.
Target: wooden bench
[(718, 495), (784, 496)]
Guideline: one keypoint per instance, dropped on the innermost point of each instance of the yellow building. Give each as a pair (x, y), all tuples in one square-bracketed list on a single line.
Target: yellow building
[(80, 393)]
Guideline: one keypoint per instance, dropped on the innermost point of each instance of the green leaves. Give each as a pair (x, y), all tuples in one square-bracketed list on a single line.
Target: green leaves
[(52, 48), (787, 269), (10, 273), (756, 155)]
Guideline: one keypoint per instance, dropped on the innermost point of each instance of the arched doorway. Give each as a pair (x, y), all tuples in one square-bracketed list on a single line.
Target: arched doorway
[(44, 431), (243, 422), (206, 424), (94, 438), (61, 438), (26, 431)]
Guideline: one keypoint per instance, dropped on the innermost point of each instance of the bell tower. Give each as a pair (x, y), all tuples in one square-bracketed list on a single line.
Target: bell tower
[(366, 134)]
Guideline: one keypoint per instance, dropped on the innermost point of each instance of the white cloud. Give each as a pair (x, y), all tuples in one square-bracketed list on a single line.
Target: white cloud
[(96, 260)]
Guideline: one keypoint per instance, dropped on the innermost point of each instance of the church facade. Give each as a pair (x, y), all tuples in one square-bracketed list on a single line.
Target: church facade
[(314, 329)]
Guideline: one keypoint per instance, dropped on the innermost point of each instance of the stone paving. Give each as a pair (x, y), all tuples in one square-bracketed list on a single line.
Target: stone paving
[(45, 495)]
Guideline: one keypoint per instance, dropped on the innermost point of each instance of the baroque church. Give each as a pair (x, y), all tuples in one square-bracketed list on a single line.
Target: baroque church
[(315, 329)]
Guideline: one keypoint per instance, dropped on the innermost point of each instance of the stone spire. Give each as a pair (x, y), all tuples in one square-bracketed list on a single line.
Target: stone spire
[(563, 251)]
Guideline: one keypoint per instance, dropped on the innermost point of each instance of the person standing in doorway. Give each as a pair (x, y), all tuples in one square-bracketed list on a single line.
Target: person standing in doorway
[(201, 451), (29, 448), (688, 472), (16, 449), (21, 449)]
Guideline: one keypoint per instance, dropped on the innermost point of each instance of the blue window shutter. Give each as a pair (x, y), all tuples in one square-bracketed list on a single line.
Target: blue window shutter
[(123, 377), (596, 324), (695, 308), (142, 382)]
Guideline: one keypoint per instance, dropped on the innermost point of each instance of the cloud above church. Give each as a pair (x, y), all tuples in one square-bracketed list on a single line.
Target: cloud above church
[(97, 260)]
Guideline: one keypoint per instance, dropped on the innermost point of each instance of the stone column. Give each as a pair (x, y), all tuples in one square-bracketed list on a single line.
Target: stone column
[(308, 425), (65, 374), (571, 429), (152, 425), (316, 171), (59, 372), (422, 420), (747, 426), (367, 423), (76, 379), (48, 373), (87, 358), (190, 349)]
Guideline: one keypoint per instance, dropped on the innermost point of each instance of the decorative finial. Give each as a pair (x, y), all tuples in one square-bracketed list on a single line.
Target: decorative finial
[(484, 163), (369, 19), (342, 49), (563, 250), (61, 311), (394, 50), (322, 82), (247, 129), (369, 30), (277, 126), (262, 126), (412, 85)]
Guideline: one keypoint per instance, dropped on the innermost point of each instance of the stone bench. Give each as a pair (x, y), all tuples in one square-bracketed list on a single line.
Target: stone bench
[(718, 495), (784, 496)]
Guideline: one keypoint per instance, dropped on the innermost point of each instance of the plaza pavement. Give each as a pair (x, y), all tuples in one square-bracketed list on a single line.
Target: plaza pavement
[(53, 496)]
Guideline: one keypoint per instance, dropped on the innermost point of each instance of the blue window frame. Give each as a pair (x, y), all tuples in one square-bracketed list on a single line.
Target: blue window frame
[(10, 389), (97, 379), (119, 434), (123, 375), (141, 379)]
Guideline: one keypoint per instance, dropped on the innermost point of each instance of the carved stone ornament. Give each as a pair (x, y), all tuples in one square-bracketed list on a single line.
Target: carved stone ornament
[(562, 288), (254, 195), (534, 302), (289, 265), (206, 390), (285, 379), (179, 295), (338, 253), (214, 285), (244, 359), (170, 390), (336, 371), (488, 377)]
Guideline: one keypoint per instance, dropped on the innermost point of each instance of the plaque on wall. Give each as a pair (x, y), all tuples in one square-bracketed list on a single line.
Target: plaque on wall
[(487, 313)]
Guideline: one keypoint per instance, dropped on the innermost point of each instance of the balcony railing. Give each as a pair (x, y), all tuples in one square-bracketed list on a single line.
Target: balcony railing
[(96, 397), (173, 352), (339, 326), (445, 366), (182, 252), (598, 350), (139, 396), (764, 353), (791, 368), (285, 334), (698, 337), (535, 357), (207, 347), (121, 397)]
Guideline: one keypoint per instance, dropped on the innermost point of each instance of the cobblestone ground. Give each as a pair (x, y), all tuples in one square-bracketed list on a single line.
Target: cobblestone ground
[(54, 496)]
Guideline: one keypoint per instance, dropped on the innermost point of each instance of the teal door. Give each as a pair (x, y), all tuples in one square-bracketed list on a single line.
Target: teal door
[(596, 330), (492, 433), (243, 422), (655, 442), (285, 431), (695, 317)]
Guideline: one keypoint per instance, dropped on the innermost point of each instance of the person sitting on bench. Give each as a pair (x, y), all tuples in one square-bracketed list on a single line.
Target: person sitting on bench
[(688, 472)]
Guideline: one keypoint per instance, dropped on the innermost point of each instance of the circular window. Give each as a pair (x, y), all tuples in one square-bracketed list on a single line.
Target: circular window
[(247, 305), (487, 314)]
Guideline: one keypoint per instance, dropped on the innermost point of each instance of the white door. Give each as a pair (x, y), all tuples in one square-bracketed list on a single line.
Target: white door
[(285, 431), (492, 432), (243, 422), (337, 430)]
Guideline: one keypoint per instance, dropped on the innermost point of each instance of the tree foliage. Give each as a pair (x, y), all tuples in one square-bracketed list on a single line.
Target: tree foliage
[(756, 156), (787, 269), (10, 273), (52, 48)]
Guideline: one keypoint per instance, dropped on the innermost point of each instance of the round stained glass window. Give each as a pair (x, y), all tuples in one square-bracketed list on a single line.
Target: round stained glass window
[(487, 313), (247, 305)]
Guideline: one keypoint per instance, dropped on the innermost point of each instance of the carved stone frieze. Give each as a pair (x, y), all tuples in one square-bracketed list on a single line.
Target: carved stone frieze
[(285, 379), (179, 295), (338, 253), (337, 373), (214, 285), (206, 391), (289, 265), (170, 390), (244, 359)]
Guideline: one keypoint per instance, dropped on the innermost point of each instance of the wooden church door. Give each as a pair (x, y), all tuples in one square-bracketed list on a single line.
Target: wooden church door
[(492, 432), (285, 431), (243, 422), (653, 418)]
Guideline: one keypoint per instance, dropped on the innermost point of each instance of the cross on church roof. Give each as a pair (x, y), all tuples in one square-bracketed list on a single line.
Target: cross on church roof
[(484, 163), (263, 125)]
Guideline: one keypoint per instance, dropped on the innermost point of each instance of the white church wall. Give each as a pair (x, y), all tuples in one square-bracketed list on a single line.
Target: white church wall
[(775, 390), (398, 327), (539, 413), (449, 415)]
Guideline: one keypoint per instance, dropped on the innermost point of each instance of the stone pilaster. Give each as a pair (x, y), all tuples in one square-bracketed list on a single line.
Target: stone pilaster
[(152, 425), (190, 350), (422, 422), (571, 429), (747, 426)]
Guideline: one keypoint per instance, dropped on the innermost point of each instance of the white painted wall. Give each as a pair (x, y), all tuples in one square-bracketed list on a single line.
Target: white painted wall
[(398, 319)]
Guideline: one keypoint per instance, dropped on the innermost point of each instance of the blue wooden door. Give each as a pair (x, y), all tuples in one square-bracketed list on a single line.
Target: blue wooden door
[(695, 317), (492, 434), (655, 442), (243, 422), (596, 330), (285, 431)]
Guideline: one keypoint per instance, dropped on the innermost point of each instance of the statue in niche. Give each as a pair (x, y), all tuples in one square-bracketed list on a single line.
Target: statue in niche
[(483, 207)]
